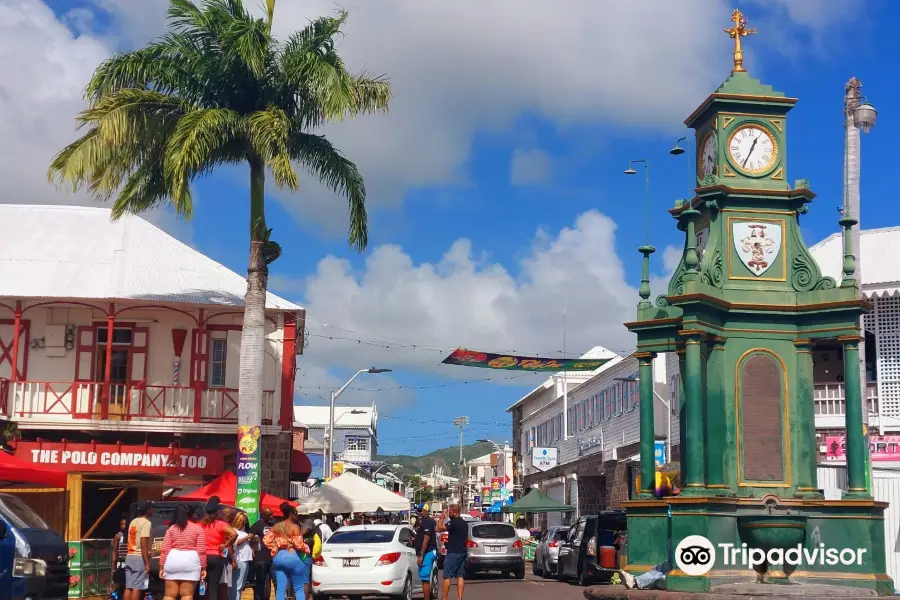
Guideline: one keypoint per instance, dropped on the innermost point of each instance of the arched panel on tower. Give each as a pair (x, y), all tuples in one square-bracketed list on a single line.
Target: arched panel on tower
[(762, 420)]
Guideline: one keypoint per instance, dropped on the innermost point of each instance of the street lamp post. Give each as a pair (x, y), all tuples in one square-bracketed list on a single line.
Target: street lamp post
[(329, 434), (460, 422), (859, 115), (630, 171), (325, 446)]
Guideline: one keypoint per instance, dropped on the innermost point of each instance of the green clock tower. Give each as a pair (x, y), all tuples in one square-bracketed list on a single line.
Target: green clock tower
[(743, 311)]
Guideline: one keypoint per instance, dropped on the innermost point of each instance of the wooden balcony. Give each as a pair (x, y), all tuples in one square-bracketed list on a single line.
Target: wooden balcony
[(81, 405), (830, 405)]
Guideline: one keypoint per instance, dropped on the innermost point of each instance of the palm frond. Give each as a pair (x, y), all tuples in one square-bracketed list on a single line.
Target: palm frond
[(269, 133), (198, 135), (373, 94), (340, 174)]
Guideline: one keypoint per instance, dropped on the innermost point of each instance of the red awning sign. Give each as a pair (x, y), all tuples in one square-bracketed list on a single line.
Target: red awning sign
[(119, 458)]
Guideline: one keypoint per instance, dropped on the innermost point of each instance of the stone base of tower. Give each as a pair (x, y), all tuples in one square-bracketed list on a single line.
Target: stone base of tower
[(853, 526)]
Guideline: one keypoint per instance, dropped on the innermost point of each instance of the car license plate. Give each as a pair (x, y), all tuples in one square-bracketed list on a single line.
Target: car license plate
[(351, 562), (494, 549)]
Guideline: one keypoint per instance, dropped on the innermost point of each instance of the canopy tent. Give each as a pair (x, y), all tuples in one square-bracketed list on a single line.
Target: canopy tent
[(494, 508), (14, 470), (225, 487), (536, 501), (351, 493)]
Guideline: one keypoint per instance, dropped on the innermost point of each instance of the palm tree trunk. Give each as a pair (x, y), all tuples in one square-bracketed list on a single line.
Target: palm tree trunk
[(250, 392), (253, 332)]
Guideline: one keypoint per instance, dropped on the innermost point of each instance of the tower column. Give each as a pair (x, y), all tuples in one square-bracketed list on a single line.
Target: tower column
[(807, 479), (648, 428), (694, 471), (856, 449)]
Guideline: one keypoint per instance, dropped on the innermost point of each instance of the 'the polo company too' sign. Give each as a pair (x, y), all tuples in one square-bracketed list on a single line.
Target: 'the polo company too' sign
[(543, 459), (121, 458)]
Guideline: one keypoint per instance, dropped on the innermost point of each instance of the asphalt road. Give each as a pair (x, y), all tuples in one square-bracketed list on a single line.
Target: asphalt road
[(494, 587)]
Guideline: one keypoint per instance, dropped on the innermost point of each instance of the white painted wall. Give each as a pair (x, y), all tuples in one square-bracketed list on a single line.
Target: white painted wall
[(620, 430)]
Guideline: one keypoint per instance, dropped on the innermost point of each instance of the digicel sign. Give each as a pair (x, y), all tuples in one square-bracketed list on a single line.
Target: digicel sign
[(114, 458)]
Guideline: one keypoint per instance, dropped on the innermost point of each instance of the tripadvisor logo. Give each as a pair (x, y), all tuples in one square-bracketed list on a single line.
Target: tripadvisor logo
[(695, 555)]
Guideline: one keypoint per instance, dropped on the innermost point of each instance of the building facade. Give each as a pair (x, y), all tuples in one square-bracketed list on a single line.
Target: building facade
[(880, 285), (355, 431), (595, 440), (120, 347)]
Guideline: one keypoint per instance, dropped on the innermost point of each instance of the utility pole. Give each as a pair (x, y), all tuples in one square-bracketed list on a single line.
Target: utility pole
[(460, 422)]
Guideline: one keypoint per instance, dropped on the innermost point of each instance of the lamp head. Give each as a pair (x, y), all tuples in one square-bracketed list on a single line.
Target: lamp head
[(865, 116), (373, 370), (678, 150), (630, 170)]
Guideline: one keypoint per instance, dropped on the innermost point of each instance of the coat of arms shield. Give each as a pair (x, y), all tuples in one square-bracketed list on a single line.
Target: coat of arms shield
[(758, 244)]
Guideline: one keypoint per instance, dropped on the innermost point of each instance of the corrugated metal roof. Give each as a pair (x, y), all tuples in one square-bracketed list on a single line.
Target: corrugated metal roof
[(77, 252), (344, 416), (880, 275)]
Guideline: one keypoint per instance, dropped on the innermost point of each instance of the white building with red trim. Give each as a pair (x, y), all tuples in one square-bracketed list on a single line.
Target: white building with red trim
[(167, 376)]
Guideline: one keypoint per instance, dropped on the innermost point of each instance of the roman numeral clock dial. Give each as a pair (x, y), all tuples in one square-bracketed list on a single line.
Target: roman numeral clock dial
[(707, 155), (752, 149)]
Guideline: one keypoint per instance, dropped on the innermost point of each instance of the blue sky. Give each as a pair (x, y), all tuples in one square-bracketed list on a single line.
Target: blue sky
[(497, 197)]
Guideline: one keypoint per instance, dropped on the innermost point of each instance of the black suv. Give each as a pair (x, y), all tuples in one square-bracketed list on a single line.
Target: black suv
[(579, 554)]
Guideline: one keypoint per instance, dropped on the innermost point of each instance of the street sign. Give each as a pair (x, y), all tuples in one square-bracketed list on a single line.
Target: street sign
[(476, 499), (659, 453), (544, 459)]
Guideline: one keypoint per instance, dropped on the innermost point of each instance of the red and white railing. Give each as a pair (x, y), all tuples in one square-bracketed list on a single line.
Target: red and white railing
[(65, 400)]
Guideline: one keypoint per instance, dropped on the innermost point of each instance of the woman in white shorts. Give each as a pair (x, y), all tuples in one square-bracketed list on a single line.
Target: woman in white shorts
[(182, 560)]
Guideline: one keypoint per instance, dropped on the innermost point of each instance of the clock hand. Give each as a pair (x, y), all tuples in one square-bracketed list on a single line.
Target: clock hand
[(752, 146)]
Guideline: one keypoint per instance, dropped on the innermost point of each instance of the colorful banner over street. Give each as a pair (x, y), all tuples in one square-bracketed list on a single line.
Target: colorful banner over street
[(247, 497), (487, 360)]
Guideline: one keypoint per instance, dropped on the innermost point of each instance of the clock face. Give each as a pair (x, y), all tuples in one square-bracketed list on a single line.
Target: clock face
[(707, 156), (752, 149)]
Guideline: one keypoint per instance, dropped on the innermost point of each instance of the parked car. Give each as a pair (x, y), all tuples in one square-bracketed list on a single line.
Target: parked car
[(590, 553), (495, 547), (34, 559), (546, 555), (162, 516), (370, 560), (442, 539)]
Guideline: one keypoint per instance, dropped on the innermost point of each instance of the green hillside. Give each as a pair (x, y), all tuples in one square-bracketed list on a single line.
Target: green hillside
[(445, 457)]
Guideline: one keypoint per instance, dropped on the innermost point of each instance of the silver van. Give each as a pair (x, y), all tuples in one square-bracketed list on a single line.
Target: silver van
[(494, 547)]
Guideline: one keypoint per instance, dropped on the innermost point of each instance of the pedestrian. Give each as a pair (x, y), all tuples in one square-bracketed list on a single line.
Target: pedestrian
[(285, 542), (219, 537), (262, 558), (426, 549), (119, 551), (137, 557), (243, 555), (226, 514), (313, 539), (522, 529), (324, 529), (182, 559), (455, 560)]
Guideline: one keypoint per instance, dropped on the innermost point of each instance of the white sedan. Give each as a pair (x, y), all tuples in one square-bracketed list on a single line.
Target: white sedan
[(370, 560)]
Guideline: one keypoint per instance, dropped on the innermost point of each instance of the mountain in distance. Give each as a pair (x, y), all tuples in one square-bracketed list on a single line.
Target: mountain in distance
[(445, 457)]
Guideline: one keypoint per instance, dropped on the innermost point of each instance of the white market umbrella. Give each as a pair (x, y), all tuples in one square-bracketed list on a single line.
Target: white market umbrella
[(351, 493)]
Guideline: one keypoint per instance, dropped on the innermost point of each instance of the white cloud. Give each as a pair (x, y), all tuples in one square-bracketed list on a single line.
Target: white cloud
[(529, 167), (457, 67), (462, 301)]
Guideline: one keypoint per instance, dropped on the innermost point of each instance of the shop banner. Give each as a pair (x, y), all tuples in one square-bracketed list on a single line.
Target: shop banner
[(496, 486), (248, 471), (121, 458), (471, 358), (881, 447)]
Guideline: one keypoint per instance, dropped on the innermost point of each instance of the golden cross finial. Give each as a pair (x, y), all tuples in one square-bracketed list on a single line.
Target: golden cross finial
[(736, 33)]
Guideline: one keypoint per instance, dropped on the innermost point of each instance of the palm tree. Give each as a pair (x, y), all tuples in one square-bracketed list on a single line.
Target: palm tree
[(217, 90)]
